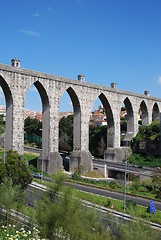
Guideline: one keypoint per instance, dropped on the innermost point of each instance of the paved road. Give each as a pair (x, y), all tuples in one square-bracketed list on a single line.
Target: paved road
[(116, 195), (112, 194), (120, 196), (120, 166), (34, 192)]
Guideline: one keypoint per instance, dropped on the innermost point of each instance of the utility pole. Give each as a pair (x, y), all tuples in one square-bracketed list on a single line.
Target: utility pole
[(42, 158), (4, 154), (125, 177)]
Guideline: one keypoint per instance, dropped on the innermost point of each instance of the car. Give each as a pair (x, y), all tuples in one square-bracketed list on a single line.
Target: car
[(37, 175)]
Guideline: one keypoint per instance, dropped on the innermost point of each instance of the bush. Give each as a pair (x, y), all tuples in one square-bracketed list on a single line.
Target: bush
[(113, 185), (148, 209), (147, 140), (131, 204), (15, 167), (108, 204), (11, 232), (158, 195)]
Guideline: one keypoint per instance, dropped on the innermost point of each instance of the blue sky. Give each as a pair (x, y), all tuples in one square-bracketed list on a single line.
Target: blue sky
[(107, 40)]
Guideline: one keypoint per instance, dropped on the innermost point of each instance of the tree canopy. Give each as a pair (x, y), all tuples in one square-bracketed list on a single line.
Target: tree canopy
[(33, 126), (61, 214), (147, 140), (66, 133), (15, 167), (2, 124), (11, 197)]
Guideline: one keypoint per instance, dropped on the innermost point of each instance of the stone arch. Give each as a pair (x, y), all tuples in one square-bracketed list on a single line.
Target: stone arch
[(76, 120), (155, 112), (45, 122), (9, 114), (130, 119), (110, 120), (144, 113)]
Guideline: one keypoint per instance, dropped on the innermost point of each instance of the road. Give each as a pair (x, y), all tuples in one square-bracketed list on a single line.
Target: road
[(112, 194), (120, 166), (116, 166), (34, 192), (109, 193)]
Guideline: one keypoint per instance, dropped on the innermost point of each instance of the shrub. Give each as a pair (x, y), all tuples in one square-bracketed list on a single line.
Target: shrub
[(108, 204), (15, 168), (113, 185), (131, 204), (158, 195)]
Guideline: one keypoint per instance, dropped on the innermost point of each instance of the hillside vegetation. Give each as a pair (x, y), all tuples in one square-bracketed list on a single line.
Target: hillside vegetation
[(146, 146)]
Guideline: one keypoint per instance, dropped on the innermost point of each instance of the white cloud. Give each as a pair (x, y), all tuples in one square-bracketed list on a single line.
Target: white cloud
[(30, 33), (36, 14), (49, 9), (159, 80)]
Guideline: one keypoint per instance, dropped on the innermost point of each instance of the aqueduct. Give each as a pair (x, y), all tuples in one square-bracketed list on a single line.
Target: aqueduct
[(15, 83)]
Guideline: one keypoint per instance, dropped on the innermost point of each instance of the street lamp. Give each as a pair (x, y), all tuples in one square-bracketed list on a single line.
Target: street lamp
[(4, 154), (42, 165), (125, 177), (42, 160)]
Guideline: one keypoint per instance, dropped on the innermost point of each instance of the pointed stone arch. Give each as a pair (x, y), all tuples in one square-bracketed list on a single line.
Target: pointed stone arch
[(9, 114), (110, 120), (130, 119), (76, 118), (144, 113), (45, 124), (45, 120), (155, 112)]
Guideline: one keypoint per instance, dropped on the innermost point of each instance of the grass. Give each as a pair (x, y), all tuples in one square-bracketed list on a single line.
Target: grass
[(30, 156), (93, 174), (136, 211), (133, 209), (146, 189), (27, 155)]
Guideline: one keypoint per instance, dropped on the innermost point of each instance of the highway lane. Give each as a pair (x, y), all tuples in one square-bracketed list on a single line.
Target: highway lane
[(112, 194), (120, 166), (36, 190), (116, 195), (117, 166)]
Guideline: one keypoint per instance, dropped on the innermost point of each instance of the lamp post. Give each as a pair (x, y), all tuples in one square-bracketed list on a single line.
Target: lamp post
[(4, 155), (42, 160), (125, 177), (42, 165)]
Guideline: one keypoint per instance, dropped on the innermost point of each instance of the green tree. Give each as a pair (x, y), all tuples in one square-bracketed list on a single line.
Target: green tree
[(97, 140), (11, 197), (33, 126), (66, 133), (3, 173), (147, 140), (156, 183), (133, 230), (2, 124), (16, 169), (61, 213)]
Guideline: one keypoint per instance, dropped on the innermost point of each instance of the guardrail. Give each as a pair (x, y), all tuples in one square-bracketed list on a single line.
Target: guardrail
[(121, 215)]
